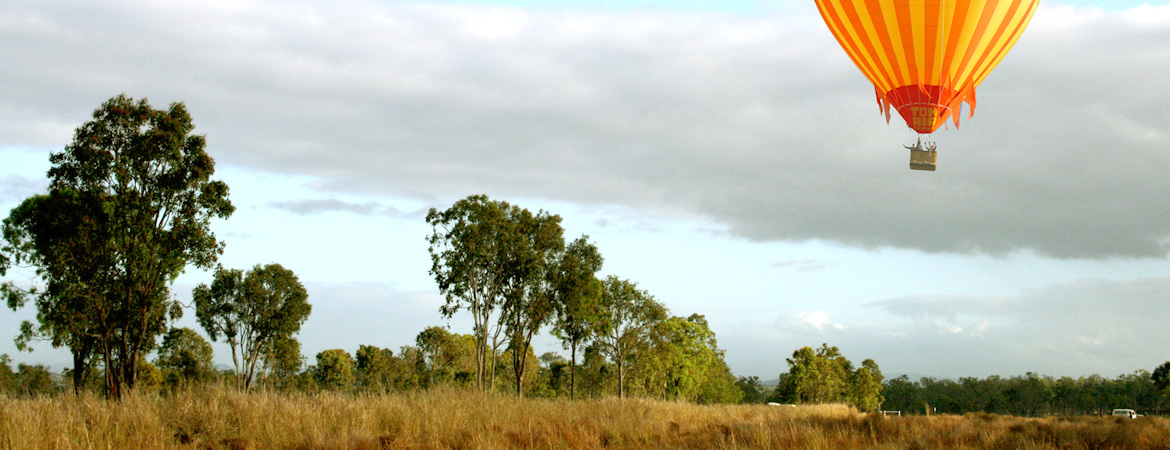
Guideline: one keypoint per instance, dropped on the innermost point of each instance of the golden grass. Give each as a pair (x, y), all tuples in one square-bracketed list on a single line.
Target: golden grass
[(216, 418)]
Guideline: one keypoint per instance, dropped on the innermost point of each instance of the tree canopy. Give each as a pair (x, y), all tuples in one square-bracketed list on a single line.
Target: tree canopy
[(825, 376), (627, 316), (252, 312), (489, 257), (184, 357), (129, 208), (577, 298)]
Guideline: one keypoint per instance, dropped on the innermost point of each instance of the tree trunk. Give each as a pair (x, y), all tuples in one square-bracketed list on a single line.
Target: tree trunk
[(621, 379), (573, 371), (80, 370), (518, 368), (112, 392)]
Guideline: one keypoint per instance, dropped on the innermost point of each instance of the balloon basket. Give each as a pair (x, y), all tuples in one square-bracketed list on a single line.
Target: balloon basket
[(923, 159)]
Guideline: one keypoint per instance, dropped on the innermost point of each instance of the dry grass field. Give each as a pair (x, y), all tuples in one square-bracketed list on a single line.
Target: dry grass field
[(223, 419)]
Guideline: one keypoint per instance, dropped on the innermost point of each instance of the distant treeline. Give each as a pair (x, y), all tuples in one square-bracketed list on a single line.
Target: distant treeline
[(1027, 395), (679, 361)]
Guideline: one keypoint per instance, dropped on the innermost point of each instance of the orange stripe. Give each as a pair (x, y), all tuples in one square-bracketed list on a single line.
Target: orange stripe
[(881, 70), (883, 34), (982, 21), (852, 48), (996, 46), (1019, 22), (953, 36), (906, 31), (930, 42), (889, 20)]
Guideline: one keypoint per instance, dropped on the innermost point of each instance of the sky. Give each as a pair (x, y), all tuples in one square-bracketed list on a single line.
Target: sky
[(725, 156)]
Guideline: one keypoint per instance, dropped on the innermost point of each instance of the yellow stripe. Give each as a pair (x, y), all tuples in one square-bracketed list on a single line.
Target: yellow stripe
[(891, 19), (984, 46), (1022, 16), (964, 43), (860, 58), (941, 59), (867, 18), (917, 18)]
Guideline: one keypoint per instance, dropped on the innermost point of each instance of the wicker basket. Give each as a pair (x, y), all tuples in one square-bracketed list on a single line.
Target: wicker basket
[(923, 159)]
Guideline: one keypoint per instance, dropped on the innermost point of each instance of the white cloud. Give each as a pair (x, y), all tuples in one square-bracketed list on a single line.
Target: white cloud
[(816, 319)]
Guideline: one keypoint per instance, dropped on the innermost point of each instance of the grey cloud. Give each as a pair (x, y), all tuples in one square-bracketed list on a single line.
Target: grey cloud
[(758, 123), (1107, 327), (307, 207), (15, 187)]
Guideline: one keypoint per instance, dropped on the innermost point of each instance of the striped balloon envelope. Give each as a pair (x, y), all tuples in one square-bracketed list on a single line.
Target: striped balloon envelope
[(925, 57)]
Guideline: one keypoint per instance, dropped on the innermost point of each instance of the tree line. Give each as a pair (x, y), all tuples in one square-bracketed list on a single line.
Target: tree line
[(1032, 394), (129, 207)]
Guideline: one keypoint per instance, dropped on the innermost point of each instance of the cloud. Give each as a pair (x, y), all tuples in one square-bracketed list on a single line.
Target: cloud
[(1089, 326), (308, 207), (803, 265), (16, 188), (1061, 328), (757, 123), (817, 320)]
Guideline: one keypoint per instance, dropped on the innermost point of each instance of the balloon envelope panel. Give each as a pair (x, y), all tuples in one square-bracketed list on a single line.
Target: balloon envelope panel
[(925, 57)]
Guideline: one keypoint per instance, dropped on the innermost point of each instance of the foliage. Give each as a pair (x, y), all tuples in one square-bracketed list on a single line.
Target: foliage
[(1161, 377), (597, 375), (489, 255), (683, 362), (531, 366), (578, 299), (445, 358), (553, 374), (252, 311), (865, 387), (68, 314), (335, 370), (282, 360), (530, 302), (35, 381), (129, 207), (28, 381), (627, 316), (150, 378), (1026, 395), (376, 368), (184, 358), (8, 381), (753, 391), (825, 376), (469, 260)]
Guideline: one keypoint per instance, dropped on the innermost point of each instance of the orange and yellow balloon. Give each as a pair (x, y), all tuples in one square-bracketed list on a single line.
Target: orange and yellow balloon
[(925, 57)]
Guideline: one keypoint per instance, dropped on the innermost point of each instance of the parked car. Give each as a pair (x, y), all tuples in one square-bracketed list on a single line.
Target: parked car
[(1125, 412)]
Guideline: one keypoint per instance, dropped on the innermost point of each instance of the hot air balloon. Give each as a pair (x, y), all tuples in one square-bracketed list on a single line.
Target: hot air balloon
[(925, 57)]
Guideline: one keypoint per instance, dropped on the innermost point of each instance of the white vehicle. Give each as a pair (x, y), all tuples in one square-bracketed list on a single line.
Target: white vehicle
[(1125, 412)]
